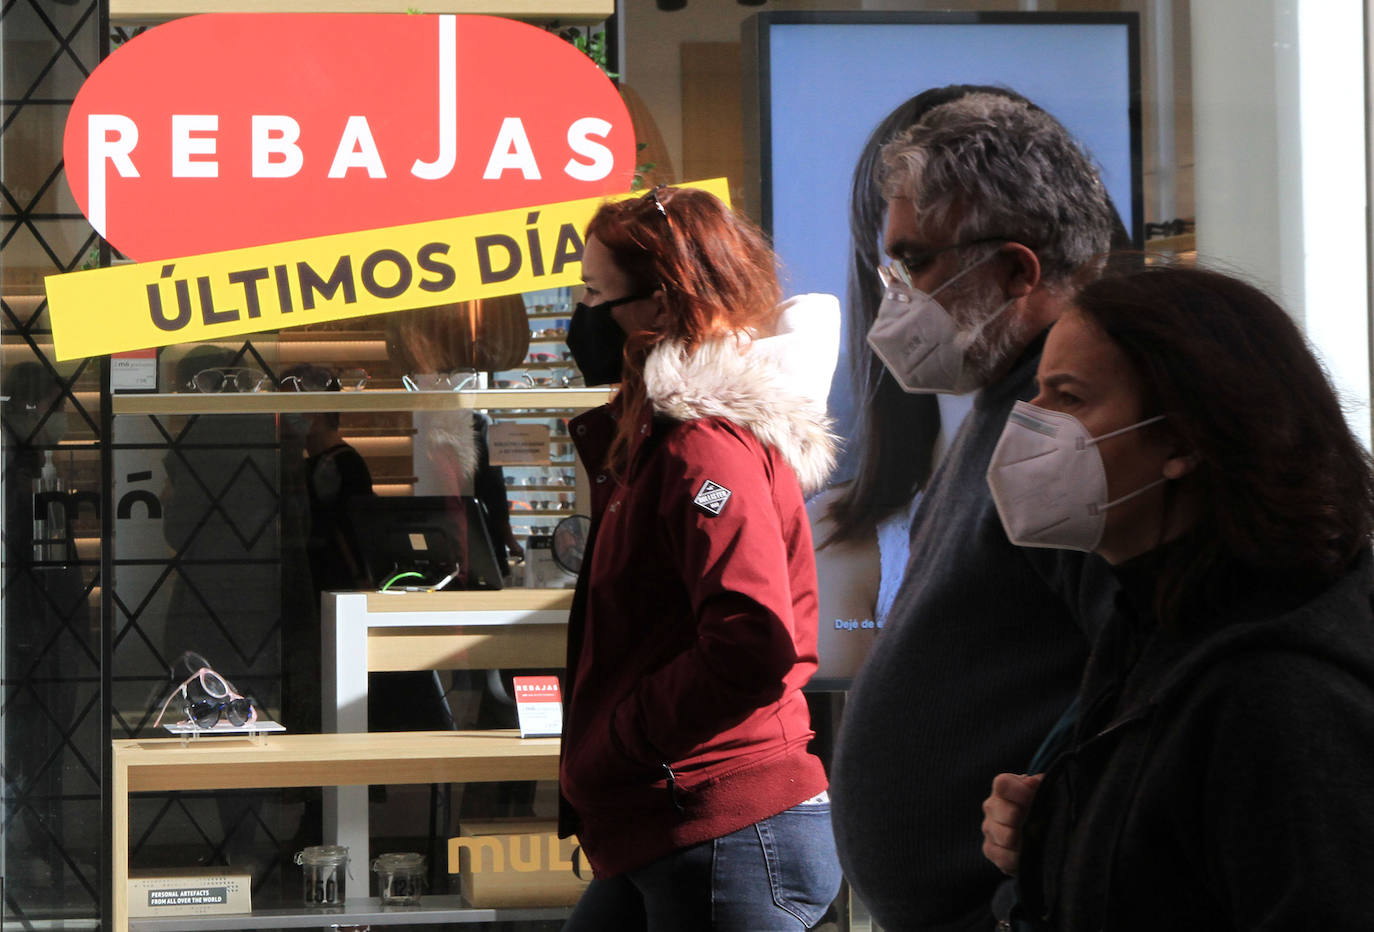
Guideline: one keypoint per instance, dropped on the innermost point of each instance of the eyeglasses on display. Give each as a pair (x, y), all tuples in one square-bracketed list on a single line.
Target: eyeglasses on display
[(558, 479), (319, 379), (440, 382), (522, 380), (229, 379), (246, 379)]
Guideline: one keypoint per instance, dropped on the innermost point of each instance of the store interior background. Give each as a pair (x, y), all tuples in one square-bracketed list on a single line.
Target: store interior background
[(1254, 129)]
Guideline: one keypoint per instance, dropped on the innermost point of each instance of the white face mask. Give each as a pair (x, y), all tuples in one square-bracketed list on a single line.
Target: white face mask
[(1048, 481), (920, 343)]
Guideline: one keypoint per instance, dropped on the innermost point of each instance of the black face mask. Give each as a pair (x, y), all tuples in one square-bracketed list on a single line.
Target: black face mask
[(596, 341)]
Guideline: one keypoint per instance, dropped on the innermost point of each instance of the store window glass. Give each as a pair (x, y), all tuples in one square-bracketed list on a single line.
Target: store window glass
[(131, 539), (50, 431)]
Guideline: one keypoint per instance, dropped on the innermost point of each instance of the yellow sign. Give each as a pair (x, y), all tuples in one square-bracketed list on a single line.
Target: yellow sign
[(309, 281)]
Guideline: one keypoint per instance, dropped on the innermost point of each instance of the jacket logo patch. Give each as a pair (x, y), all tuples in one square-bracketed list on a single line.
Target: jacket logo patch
[(712, 497)]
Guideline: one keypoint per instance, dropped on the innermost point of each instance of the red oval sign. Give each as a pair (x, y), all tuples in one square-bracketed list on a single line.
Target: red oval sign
[(229, 130)]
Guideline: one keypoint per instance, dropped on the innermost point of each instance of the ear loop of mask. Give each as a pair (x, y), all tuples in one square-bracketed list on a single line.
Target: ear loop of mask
[(962, 272), (1095, 509), (969, 337)]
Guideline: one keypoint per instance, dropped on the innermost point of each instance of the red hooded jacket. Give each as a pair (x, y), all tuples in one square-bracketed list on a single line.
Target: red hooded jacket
[(694, 625)]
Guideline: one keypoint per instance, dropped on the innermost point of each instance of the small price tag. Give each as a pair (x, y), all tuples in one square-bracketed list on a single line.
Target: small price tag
[(135, 371), (539, 704)]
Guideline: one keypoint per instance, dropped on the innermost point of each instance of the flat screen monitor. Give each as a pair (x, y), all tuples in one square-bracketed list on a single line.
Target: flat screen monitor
[(825, 80), (433, 535)]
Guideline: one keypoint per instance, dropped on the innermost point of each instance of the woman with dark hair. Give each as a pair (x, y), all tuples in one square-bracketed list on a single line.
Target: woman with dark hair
[(1221, 771), (861, 526), (685, 769)]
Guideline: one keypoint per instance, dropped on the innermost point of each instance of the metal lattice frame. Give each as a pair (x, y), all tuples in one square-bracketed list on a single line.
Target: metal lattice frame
[(50, 683), (68, 671)]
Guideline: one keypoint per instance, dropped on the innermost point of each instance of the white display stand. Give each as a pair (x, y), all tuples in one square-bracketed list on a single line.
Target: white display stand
[(375, 631)]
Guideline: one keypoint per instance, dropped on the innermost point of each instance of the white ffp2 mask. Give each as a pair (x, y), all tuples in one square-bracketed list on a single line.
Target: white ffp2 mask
[(1048, 481), (919, 342)]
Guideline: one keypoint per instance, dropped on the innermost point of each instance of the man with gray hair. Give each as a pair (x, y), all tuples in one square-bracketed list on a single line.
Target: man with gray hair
[(995, 216)]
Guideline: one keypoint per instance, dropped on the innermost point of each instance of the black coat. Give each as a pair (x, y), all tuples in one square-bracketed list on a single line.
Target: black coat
[(1220, 778)]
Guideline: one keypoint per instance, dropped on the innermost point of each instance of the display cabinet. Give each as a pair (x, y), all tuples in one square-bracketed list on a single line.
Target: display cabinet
[(247, 493), (165, 764)]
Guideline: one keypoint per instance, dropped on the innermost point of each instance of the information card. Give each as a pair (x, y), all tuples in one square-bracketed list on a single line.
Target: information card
[(539, 703), (513, 444), (135, 371)]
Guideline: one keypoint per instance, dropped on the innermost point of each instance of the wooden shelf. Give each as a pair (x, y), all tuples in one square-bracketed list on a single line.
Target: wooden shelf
[(1184, 242), (499, 600), (149, 12), (332, 760), (478, 647), (376, 400), (218, 763), (357, 912)]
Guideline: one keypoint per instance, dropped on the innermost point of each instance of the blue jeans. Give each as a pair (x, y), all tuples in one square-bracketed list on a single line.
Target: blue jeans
[(777, 875)]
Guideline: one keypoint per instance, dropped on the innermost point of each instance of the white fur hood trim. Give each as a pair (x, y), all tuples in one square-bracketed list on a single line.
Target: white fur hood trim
[(775, 386)]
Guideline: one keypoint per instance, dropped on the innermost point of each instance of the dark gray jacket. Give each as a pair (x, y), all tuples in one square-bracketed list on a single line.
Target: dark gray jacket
[(1222, 777), (983, 649)]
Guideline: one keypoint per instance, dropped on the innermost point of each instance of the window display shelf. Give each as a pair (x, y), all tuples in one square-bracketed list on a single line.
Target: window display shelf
[(148, 12), (385, 631), (518, 604), (545, 363), (366, 911), (373, 400), (161, 764), (1182, 243)]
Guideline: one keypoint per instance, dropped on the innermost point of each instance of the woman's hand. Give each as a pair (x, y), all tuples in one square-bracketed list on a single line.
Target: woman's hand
[(1003, 813)]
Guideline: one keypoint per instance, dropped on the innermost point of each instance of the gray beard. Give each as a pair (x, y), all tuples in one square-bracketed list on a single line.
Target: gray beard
[(986, 349)]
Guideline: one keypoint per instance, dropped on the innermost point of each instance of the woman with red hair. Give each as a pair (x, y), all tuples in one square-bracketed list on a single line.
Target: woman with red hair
[(685, 770)]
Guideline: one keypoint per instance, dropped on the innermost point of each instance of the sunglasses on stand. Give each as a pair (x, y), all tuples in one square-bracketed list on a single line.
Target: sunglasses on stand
[(206, 698)]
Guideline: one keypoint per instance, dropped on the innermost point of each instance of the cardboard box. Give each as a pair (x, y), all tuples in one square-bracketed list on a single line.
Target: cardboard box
[(517, 862), (179, 891)]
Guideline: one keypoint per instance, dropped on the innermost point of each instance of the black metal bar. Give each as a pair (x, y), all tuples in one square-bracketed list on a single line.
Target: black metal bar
[(107, 580)]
